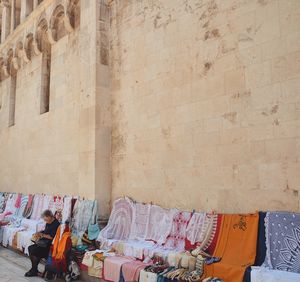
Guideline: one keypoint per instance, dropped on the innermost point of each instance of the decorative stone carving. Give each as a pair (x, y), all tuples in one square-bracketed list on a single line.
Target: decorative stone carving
[(45, 31)]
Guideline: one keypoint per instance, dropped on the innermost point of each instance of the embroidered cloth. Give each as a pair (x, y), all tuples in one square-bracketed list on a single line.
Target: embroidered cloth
[(160, 224), (140, 222), (283, 241), (176, 239), (119, 223)]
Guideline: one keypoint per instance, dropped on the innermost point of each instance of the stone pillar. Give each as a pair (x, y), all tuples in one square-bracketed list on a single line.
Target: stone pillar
[(12, 16), (26, 8), (103, 111), (6, 20), (35, 3)]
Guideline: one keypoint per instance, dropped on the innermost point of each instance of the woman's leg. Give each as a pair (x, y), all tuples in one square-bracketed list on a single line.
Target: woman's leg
[(34, 263), (35, 260)]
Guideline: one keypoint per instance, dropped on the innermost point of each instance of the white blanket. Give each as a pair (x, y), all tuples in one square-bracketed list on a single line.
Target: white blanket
[(262, 274)]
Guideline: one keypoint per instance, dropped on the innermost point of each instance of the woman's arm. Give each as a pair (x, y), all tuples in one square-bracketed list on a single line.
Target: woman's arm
[(46, 236)]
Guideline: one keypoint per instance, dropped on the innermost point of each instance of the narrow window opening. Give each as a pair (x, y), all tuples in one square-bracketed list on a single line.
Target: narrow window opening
[(29, 7), (17, 15), (45, 81), (12, 100)]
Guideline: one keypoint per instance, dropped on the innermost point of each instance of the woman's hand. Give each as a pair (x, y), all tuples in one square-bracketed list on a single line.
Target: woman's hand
[(46, 236)]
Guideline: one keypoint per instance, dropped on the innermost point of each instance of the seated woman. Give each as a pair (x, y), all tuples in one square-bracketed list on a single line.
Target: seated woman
[(40, 249)]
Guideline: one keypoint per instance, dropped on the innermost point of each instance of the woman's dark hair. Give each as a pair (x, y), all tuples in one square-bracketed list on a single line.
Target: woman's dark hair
[(47, 213)]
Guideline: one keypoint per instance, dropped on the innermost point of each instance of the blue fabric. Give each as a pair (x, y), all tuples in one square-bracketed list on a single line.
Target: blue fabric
[(261, 246), (261, 241)]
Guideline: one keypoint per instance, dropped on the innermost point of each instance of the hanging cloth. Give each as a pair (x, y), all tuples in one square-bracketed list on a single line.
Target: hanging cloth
[(236, 247)]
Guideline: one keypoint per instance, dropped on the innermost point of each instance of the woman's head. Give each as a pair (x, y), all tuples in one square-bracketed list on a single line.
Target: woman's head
[(47, 215)]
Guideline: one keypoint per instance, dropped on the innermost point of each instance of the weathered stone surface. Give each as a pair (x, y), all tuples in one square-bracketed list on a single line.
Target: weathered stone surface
[(205, 103)]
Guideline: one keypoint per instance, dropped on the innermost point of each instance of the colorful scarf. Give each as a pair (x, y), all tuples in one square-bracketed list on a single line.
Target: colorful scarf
[(236, 246), (61, 245), (283, 241)]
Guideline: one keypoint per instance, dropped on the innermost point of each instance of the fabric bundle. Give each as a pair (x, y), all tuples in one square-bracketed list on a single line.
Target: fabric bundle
[(119, 223), (236, 246)]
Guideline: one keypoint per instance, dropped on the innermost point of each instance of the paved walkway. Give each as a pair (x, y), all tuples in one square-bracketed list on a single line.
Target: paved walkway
[(13, 266)]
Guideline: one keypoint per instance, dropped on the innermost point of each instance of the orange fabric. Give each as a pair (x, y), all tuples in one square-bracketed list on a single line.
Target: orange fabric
[(59, 246), (236, 246)]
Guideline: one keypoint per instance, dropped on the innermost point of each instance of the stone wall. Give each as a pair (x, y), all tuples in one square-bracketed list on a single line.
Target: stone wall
[(53, 152), (206, 103)]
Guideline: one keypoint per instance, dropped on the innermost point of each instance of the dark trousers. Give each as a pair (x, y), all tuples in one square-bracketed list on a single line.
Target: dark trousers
[(36, 253)]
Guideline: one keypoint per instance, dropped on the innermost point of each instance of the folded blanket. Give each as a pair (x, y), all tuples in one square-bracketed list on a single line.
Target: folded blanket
[(112, 267), (131, 270)]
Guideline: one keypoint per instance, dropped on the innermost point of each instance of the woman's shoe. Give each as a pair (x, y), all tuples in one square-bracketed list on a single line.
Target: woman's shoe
[(31, 273)]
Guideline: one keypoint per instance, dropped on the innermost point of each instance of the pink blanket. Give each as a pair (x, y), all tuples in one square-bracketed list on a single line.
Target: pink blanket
[(131, 270), (112, 267)]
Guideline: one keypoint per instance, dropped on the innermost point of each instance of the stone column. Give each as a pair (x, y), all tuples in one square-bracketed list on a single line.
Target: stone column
[(35, 3), (6, 20), (26, 8), (12, 16)]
